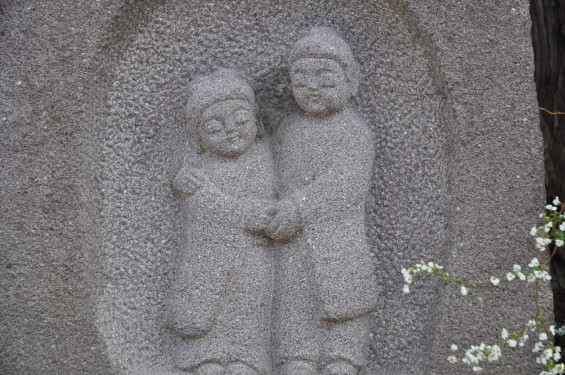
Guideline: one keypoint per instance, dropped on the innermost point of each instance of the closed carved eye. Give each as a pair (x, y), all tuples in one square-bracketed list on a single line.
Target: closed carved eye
[(244, 122), (213, 126)]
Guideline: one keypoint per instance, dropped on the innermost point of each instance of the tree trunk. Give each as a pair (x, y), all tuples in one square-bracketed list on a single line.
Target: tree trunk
[(548, 35)]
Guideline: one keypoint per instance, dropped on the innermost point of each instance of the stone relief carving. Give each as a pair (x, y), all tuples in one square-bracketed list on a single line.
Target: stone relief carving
[(222, 298), (275, 274), (323, 159)]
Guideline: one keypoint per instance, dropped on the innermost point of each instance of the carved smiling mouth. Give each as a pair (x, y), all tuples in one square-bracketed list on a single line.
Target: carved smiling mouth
[(234, 138), (315, 100)]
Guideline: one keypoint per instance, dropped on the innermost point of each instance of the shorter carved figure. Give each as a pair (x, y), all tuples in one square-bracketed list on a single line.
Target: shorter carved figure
[(220, 303)]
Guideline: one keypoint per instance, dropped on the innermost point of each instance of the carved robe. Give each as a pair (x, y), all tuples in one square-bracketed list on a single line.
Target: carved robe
[(222, 295), (326, 275)]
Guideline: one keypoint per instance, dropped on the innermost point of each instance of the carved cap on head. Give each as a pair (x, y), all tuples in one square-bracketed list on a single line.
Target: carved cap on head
[(221, 85), (325, 43)]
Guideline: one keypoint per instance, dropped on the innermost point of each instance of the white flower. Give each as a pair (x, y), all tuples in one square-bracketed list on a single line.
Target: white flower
[(556, 356), (516, 268), (464, 290), (523, 339), (547, 227), (406, 288), (538, 347), (542, 275), (407, 276), (558, 369), (510, 276), (512, 343), (562, 226), (540, 243), (533, 231), (551, 207), (543, 336), (504, 334), (559, 243), (521, 276), (532, 324), (542, 359), (552, 329), (452, 359), (477, 369), (556, 201), (453, 348), (494, 280), (494, 353), (534, 263), (531, 278)]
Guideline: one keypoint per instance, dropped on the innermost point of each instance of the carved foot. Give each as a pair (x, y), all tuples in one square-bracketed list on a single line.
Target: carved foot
[(161, 371), (240, 369), (340, 368), (298, 368), (210, 369)]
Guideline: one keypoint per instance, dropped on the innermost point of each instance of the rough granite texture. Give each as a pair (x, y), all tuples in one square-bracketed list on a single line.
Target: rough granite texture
[(92, 100)]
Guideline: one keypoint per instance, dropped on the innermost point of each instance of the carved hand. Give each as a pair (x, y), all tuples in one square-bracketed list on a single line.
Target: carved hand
[(189, 180), (258, 216), (286, 223)]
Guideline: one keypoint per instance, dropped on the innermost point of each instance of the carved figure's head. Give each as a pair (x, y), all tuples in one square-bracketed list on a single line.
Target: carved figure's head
[(323, 72), (222, 110)]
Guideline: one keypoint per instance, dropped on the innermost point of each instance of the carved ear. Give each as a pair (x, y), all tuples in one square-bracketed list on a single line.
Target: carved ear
[(354, 76), (259, 118), (198, 144)]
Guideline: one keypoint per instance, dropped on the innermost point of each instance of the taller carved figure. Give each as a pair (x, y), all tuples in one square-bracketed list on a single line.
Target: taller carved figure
[(220, 303), (323, 156)]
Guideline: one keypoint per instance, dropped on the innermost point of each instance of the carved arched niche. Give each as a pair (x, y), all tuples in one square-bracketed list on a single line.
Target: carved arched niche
[(401, 96)]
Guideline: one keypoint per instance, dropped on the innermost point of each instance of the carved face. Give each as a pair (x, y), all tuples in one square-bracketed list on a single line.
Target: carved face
[(319, 86), (228, 128)]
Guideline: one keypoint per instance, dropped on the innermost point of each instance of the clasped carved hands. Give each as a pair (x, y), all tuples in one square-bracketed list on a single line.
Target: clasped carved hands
[(279, 221)]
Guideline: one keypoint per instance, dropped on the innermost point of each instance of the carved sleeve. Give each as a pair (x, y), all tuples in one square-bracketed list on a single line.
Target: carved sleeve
[(207, 200)]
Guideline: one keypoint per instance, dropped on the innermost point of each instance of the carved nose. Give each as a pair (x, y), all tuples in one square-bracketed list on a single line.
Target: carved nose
[(231, 127)]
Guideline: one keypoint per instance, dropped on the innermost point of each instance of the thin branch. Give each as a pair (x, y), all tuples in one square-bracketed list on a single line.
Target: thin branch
[(551, 113)]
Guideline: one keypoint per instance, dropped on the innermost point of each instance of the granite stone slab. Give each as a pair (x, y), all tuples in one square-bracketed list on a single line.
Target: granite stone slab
[(94, 110)]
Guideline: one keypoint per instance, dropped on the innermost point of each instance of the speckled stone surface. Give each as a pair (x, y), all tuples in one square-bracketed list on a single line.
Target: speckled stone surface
[(92, 100)]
